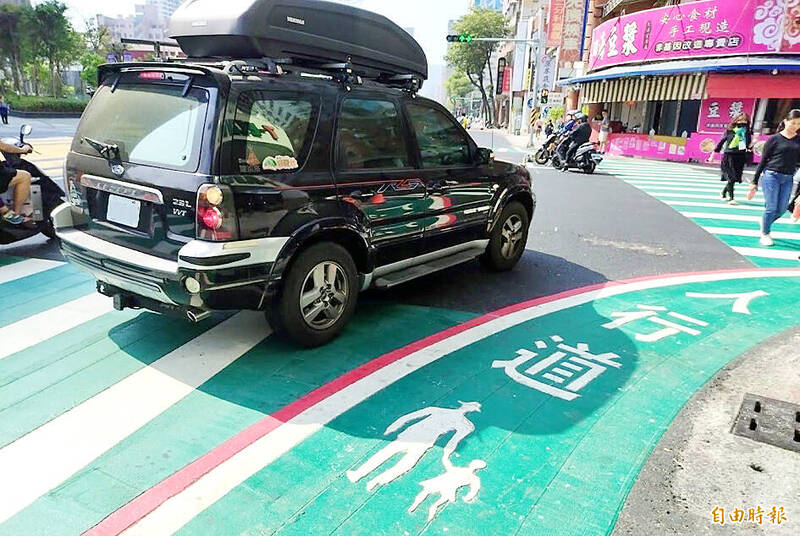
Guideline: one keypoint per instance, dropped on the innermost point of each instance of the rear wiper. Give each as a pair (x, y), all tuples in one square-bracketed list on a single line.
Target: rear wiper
[(108, 151)]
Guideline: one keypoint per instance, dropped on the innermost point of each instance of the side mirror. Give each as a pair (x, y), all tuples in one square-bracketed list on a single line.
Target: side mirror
[(484, 157), (25, 130)]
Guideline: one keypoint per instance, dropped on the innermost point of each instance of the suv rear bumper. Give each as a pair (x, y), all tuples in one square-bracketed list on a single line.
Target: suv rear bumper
[(232, 276)]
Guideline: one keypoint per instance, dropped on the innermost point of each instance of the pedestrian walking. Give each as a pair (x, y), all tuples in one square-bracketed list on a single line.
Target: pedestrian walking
[(779, 162), (605, 132), (735, 148), (4, 109), (549, 128)]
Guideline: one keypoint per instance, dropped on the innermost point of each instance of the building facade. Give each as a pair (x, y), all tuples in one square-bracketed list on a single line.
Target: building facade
[(150, 21), (496, 5), (673, 77)]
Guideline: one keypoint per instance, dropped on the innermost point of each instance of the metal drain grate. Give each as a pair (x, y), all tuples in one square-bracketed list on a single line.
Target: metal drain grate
[(769, 421)]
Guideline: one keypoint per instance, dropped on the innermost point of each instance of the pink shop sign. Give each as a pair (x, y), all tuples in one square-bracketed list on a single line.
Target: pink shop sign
[(709, 28), (645, 146), (716, 114)]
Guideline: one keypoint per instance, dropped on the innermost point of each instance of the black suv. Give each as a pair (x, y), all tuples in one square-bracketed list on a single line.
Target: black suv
[(284, 187)]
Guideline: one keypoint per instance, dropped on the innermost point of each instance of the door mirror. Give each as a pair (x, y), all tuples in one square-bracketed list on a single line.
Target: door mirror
[(25, 130), (484, 157)]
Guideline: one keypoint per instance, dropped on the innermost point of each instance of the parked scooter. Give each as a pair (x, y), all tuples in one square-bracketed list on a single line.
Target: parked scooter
[(46, 195), (548, 148), (586, 157)]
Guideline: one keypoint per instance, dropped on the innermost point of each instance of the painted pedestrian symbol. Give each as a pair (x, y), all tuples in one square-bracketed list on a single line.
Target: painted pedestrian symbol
[(448, 484), (416, 440), (576, 365)]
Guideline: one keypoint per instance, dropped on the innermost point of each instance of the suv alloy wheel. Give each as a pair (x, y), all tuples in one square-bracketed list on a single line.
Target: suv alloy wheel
[(509, 236), (319, 295)]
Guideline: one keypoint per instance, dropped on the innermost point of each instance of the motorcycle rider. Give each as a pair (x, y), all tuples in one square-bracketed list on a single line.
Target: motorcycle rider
[(20, 181), (580, 135)]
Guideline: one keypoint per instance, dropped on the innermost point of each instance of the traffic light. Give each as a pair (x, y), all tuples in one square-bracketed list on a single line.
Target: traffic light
[(544, 97), (460, 38)]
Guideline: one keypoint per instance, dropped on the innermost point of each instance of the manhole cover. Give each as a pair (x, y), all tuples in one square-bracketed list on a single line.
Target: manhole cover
[(769, 421)]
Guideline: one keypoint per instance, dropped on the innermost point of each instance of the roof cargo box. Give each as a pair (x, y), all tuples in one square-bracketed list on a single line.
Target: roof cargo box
[(300, 30)]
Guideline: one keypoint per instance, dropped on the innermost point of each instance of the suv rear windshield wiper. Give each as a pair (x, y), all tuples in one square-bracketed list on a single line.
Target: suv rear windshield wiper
[(108, 151)]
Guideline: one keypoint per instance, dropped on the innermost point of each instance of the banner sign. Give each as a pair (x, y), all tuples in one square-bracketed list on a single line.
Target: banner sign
[(547, 73), (556, 23), (708, 28), (501, 73), (507, 79), (716, 114), (572, 34)]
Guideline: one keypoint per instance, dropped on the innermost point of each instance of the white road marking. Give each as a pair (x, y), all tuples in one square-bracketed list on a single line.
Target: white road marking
[(26, 268), (691, 196), (719, 204), (731, 217), (45, 325), (755, 233), (43, 459), (693, 189), (185, 505), (769, 253)]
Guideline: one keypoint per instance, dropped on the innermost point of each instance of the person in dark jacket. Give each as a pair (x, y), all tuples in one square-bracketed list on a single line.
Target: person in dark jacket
[(734, 146), (779, 161)]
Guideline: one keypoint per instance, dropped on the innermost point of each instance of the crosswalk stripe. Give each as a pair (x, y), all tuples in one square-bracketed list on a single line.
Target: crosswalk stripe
[(25, 268), (660, 193), (751, 233), (45, 458), (47, 324), (690, 189), (723, 206), (769, 253), (682, 182), (730, 217)]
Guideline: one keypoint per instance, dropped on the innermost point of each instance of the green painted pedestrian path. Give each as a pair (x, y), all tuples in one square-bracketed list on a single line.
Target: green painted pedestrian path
[(532, 420), (695, 193)]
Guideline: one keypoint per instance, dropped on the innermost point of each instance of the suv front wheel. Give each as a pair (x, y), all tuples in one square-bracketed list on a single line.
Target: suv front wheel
[(318, 297), (508, 239)]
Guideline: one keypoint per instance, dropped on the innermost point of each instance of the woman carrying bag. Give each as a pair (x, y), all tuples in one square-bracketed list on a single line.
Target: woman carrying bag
[(735, 146)]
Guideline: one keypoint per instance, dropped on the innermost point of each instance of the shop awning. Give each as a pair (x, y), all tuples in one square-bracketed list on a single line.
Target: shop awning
[(659, 88), (754, 86), (677, 67)]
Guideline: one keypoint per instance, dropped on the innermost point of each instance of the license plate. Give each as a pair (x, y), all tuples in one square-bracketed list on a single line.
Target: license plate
[(123, 211)]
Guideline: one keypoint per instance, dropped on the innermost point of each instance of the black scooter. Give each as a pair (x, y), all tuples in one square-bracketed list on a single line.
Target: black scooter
[(548, 148), (46, 195)]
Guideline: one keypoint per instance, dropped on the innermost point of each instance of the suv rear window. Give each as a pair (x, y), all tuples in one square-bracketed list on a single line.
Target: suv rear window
[(153, 125), (273, 132)]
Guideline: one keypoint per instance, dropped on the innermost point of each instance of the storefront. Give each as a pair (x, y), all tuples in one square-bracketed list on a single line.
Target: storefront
[(673, 78)]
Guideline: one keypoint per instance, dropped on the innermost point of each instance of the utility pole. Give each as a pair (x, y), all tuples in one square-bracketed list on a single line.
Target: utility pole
[(538, 51)]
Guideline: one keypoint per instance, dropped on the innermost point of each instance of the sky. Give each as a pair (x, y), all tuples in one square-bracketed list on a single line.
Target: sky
[(429, 18)]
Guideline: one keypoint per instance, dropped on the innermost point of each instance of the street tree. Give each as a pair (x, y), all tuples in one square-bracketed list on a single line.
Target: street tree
[(52, 39), (12, 19), (457, 86), (97, 38), (473, 59)]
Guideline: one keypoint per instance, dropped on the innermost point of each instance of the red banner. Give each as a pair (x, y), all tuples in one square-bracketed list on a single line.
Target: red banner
[(556, 23), (507, 79)]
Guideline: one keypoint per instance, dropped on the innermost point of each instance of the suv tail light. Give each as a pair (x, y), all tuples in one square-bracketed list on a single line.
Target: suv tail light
[(216, 214)]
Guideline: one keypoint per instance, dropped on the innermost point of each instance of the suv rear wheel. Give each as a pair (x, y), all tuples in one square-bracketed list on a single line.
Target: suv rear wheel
[(319, 295), (507, 243)]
